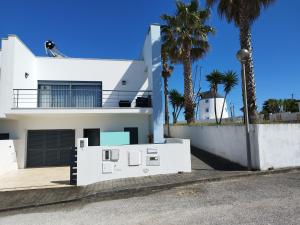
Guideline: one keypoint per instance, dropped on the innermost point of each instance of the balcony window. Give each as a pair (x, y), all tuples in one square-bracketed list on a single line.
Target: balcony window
[(72, 94)]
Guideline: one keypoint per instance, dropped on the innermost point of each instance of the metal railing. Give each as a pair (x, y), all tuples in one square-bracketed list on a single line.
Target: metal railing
[(80, 98)]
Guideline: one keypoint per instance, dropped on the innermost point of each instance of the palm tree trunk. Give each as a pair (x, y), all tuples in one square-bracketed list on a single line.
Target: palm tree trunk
[(167, 121), (215, 106), (246, 43), (174, 118), (221, 117), (188, 87)]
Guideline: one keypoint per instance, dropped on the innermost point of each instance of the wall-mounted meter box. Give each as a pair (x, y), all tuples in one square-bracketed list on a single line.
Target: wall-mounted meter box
[(110, 155), (81, 143), (153, 160), (114, 155), (107, 167), (134, 158), (106, 155), (152, 150)]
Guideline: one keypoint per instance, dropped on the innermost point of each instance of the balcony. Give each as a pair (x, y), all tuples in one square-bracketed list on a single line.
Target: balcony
[(80, 99)]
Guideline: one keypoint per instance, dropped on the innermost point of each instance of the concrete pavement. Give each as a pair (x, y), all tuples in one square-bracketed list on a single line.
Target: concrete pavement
[(206, 168), (35, 178), (257, 200)]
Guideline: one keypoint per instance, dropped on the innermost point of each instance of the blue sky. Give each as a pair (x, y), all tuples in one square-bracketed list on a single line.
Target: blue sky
[(116, 29)]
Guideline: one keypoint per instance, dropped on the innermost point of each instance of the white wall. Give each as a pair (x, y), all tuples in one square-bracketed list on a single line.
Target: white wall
[(8, 161), (17, 60), (116, 122), (151, 55), (110, 72), (279, 145), (210, 104), (272, 145), (174, 157), (226, 141)]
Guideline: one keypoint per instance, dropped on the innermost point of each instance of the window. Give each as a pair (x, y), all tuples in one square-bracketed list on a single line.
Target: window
[(61, 94), (207, 110)]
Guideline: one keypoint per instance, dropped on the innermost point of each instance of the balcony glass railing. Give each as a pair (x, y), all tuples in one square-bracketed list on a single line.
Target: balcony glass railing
[(80, 98)]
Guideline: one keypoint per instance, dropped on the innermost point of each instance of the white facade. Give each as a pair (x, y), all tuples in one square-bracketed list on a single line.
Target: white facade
[(21, 72), (207, 109)]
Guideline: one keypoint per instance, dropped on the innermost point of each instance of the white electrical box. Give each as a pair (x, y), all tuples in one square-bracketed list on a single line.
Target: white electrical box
[(134, 158), (107, 167), (114, 155), (153, 160), (152, 150)]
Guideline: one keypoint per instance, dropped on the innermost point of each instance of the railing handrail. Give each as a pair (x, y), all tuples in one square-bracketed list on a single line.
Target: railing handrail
[(20, 89)]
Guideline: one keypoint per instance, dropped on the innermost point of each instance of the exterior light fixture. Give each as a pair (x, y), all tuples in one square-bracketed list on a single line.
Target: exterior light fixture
[(26, 75), (243, 55)]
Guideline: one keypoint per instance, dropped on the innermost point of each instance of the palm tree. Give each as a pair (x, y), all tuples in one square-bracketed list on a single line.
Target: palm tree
[(166, 73), (271, 106), (177, 102), (229, 80), (243, 13), (186, 35), (215, 78)]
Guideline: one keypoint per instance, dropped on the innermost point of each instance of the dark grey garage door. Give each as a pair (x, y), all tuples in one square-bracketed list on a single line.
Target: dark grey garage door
[(49, 147)]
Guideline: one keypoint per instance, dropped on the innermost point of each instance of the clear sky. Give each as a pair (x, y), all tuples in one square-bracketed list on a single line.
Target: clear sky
[(116, 29)]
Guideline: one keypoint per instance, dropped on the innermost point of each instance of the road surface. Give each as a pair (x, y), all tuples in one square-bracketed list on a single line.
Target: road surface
[(263, 200)]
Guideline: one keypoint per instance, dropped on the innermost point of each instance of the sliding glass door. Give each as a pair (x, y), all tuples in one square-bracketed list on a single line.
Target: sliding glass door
[(69, 94)]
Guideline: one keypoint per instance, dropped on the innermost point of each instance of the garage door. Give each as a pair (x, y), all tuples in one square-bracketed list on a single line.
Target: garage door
[(49, 147)]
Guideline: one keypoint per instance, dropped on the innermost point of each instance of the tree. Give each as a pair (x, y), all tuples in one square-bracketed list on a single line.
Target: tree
[(271, 106), (290, 105), (214, 79), (186, 34), (166, 73), (279, 105), (243, 13), (229, 81), (177, 102)]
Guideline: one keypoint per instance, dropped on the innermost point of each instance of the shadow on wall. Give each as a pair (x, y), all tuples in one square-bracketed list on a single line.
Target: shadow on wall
[(158, 83), (135, 78)]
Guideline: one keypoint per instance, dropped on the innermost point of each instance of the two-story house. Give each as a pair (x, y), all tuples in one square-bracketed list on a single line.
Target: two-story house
[(46, 103)]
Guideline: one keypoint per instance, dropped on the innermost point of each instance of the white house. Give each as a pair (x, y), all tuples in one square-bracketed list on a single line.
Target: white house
[(46, 103), (207, 106)]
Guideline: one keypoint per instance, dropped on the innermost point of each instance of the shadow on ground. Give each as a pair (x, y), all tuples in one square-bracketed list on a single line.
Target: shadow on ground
[(202, 160)]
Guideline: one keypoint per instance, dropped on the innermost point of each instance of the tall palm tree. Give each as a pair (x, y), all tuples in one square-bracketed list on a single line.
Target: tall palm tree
[(214, 79), (166, 73), (186, 35), (177, 102), (243, 13), (229, 80)]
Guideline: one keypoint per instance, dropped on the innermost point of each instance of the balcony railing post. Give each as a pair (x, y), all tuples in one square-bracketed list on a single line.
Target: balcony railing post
[(18, 98)]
